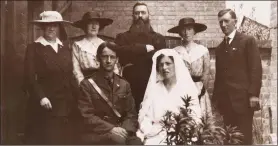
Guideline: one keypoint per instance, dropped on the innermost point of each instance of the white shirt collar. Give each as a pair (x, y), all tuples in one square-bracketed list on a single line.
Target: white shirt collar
[(232, 35), (44, 42)]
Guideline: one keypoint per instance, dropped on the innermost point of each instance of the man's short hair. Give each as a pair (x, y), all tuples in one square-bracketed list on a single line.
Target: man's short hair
[(110, 45), (223, 12), (140, 4)]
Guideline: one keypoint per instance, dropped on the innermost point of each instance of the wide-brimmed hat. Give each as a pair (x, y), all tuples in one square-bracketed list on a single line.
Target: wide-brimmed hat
[(92, 15), (188, 21), (50, 17)]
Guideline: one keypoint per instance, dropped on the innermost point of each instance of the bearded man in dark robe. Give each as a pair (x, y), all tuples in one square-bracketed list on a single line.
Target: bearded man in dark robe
[(137, 47)]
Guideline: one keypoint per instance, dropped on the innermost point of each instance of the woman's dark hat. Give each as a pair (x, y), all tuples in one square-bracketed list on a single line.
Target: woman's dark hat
[(92, 15), (198, 27)]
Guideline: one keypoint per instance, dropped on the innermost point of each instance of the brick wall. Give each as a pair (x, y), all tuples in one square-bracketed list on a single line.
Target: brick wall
[(273, 79), (166, 14), (273, 65), (163, 15), (269, 89)]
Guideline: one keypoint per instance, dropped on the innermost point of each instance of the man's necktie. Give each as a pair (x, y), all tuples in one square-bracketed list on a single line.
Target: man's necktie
[(110, 81), (227, 41)]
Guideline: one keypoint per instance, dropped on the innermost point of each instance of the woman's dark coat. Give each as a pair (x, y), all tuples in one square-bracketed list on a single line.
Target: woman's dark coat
[(49, 74)]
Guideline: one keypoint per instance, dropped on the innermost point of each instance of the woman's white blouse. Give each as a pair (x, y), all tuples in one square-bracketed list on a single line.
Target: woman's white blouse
[(84, 56)]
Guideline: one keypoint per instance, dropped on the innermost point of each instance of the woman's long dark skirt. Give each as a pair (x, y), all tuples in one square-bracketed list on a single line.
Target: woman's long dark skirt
[(44, 129)]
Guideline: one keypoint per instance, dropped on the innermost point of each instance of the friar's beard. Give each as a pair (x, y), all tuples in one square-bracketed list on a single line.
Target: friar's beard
[(140, 26)]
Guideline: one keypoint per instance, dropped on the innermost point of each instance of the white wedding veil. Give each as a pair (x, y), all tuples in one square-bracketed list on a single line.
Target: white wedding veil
[(184, 87), (185, 84), (184, 80)]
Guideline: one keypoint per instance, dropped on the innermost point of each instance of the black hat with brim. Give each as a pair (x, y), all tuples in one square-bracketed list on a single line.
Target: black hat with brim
[(92, 15), (198, 27)]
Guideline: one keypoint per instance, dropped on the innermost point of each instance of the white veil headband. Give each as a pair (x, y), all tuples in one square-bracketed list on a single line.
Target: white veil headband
[(185, 84)]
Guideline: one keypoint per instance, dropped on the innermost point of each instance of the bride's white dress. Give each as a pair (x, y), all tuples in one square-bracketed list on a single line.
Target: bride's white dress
[(158, 100)]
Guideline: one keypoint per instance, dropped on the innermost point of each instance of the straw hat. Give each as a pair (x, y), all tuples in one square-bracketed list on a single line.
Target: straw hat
[(53, 17), (50, 17)]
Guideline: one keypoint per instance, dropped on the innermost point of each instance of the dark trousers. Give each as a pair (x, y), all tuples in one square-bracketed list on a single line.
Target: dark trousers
[(109, 139), (242, 121)]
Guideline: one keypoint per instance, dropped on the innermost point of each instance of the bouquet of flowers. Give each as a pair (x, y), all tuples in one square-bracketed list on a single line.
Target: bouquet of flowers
[(182, 129)]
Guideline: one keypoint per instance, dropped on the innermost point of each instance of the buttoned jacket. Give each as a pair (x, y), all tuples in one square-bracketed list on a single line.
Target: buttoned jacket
[(97, 116), (238, 72)]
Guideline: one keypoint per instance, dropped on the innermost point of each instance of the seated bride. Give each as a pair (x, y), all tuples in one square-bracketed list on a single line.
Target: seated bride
[(169, 82)]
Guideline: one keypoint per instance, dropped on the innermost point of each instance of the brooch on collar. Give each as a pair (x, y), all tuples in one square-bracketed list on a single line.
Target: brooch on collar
[(234, 49)]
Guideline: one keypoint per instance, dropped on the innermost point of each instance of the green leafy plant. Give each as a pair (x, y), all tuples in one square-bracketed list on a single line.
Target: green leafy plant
[(182, 129)]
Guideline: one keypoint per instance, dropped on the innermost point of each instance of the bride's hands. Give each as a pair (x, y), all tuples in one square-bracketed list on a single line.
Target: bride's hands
[(155, 130)]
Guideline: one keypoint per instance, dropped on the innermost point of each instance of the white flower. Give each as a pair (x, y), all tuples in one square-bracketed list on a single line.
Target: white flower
[(172, 118), (173, 138), (171, 129), (194, 139), (189, 143)]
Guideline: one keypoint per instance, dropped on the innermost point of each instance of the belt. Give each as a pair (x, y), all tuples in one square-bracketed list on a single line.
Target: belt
[(203, 91), (199, 79), (196, 78)]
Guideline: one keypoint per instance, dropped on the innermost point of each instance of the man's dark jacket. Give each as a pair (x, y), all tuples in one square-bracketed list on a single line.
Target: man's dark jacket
[(97, 117), (133, 51), (238, 73)]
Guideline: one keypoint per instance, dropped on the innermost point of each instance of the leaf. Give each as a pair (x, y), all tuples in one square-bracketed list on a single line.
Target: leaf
[(207, 132)]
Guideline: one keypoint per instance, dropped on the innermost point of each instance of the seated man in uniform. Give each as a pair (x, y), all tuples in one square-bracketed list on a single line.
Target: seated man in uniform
[(106, 104)]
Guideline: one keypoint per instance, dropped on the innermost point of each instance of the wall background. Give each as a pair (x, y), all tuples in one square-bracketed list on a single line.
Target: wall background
[(16, 33)]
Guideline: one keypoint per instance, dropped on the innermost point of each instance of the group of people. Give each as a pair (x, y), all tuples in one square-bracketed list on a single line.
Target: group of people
[(90, 91)]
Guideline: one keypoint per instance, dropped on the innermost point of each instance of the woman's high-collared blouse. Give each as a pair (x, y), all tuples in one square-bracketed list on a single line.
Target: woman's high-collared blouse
[(84, 57)]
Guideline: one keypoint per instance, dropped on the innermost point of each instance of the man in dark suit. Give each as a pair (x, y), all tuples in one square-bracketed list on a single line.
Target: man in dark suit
[(101, 124), (238, 76), (137, 47)]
